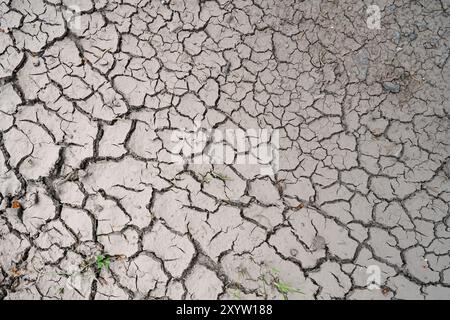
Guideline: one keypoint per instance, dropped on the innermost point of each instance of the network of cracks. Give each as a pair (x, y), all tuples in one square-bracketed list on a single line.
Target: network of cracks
[(96, 205)]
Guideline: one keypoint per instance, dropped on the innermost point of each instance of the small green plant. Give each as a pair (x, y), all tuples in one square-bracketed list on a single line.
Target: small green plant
[(236, 294), (275, 270), (102, 262), (270, 278), (220, 176), (284, 288), (206, 178)]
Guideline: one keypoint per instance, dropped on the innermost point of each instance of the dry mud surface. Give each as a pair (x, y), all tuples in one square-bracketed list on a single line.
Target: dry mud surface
[(94, 204)]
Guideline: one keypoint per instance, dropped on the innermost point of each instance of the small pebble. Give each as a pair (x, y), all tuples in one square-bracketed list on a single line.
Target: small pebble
[(412, 36), (16, 204), (318, 243), (397, 37), (391, 87)]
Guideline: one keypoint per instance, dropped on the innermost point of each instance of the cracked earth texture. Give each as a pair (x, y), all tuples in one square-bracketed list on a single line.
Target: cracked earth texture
[(88, 102)]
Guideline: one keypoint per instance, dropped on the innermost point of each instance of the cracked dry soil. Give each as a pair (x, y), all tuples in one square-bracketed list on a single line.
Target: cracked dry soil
[(88, 103)]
